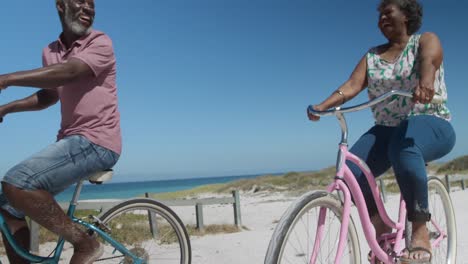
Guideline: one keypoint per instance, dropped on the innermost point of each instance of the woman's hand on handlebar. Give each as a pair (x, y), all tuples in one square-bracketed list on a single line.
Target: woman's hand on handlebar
[(314, 117), (3, 112), (3, 82), (423, 93)]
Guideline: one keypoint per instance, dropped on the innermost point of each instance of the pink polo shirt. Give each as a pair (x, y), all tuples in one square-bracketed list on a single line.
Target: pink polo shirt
[(89, 106)]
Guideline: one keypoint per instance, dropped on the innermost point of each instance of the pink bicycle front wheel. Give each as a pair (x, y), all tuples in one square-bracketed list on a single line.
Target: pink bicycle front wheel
[(295, 237)]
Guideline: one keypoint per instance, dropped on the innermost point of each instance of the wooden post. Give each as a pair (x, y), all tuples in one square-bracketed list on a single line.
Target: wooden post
[(447, 183), (152, 221), (34, 236), (382, 190), (199, 215), (237, 211)]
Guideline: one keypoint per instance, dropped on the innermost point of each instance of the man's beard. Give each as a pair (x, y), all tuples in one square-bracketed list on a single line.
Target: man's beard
[(73, 24)]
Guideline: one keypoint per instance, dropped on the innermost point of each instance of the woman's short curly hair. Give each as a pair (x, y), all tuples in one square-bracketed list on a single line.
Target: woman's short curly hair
[(412, 10)]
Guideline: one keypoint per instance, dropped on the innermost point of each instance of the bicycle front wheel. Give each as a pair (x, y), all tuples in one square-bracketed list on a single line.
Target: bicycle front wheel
[(442, 227), (442, 222), (295, 238), (149, 229)]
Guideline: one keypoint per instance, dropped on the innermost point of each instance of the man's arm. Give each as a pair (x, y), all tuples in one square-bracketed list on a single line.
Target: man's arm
[(49, 77), (38, 101)]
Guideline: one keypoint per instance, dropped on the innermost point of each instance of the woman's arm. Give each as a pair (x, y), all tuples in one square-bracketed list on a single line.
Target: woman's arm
[(430, 59), (352, 87)]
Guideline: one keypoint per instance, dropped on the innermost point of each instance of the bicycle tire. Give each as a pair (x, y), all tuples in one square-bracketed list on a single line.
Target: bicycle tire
[(439, 255), (276, 253), (134, 214)]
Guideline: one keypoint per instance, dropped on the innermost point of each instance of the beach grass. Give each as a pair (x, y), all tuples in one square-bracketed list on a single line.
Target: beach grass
[(291, 181), (456, 166), (139, 232), (134, 228), (209, 188), (296, 183), (213, 229)]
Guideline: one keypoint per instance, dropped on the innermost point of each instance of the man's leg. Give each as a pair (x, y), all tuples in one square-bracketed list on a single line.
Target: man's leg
[(41, 207), (20, 231), (29, 187)]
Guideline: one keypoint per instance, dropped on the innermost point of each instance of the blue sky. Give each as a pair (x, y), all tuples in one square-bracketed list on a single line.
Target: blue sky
[(220, 87)]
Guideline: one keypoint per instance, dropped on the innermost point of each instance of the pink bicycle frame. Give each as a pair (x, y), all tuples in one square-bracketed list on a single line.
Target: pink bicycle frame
[(351, 187), (345, 173), (346, 183)]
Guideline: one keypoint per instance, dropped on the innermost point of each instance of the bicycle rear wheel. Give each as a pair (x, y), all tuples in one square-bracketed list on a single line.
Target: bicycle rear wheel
[(294, 238), (442, 222), (149, 230)]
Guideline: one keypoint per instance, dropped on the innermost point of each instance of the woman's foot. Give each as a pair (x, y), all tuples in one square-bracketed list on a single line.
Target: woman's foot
[(380, 229), (419, 251), (379, 225)]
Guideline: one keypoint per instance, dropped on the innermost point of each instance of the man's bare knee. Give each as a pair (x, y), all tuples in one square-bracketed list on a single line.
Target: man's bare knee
[(9, 191), (13, 222), (8, 188)]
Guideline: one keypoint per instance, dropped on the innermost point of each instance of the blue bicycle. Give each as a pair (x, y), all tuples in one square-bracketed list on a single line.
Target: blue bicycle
[(136, 231)]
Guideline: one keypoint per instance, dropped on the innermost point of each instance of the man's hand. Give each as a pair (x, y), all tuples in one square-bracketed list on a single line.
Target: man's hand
[(423, 93)]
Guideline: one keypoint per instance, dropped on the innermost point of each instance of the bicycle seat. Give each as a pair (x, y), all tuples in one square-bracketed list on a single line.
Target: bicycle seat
[(101, 176)]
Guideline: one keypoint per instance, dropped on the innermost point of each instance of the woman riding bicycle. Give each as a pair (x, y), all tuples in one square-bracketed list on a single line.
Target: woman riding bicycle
[(407, 133)]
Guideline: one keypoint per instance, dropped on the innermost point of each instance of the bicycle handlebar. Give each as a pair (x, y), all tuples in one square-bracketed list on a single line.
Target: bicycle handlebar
[(336, 110)]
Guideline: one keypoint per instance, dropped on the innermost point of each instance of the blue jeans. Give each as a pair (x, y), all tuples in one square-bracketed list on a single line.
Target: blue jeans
[(58, 166), (407, 148)]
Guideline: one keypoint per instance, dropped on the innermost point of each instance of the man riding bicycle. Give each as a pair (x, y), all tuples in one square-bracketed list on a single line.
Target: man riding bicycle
[(79, 71)]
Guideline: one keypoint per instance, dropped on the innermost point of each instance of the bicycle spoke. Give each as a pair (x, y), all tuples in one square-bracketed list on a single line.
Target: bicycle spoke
[(300, 242), (157, 239), (442, 229)]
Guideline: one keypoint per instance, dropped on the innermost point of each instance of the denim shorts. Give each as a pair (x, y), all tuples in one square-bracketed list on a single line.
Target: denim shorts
[(58, 166)]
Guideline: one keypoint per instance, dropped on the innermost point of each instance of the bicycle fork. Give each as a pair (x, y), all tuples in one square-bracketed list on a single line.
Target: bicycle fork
[(338, 185)]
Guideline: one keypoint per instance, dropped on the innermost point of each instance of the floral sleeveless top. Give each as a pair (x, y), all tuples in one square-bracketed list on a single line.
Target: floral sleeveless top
[(402, 74)]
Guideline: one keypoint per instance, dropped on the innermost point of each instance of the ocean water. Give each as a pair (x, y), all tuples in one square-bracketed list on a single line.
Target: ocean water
[(125, 190)]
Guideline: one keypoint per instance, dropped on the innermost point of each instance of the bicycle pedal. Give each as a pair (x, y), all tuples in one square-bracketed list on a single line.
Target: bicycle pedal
[(98, 223)]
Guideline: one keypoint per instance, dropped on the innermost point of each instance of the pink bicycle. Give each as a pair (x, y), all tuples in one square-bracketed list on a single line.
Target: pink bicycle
[(318, 227)]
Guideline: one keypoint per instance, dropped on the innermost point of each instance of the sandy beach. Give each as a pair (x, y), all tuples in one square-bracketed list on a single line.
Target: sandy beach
[(260, 212)]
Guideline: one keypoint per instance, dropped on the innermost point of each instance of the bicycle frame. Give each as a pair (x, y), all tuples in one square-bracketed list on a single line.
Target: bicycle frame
[(60, 243), (346, 183)]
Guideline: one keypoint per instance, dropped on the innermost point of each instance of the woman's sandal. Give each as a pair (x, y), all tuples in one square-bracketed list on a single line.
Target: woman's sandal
[(424, 260)]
